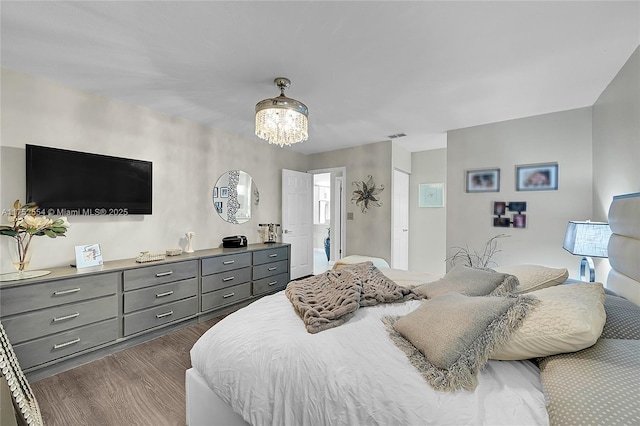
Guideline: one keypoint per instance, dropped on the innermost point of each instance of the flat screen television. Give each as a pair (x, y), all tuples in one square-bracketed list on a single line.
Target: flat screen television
[(63, 182)]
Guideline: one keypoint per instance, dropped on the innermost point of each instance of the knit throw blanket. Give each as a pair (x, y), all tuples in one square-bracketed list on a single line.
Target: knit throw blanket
[(330, 299)]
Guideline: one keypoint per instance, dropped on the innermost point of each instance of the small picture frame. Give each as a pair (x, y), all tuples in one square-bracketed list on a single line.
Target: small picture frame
[(537, 177), (218, 205), (224, 192), (519, 221), (215, 192), (88, 256), (499, 208), (517, 206), (502, 222), (431, 195), (483, 180)]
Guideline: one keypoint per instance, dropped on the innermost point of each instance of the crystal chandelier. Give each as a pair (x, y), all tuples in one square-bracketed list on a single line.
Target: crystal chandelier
[(282, 120)]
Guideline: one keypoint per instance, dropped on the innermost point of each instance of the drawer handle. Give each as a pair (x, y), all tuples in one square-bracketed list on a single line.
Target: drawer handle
[(163, 274), (228, 295), (166, 293), (228, 279), (273, 268), (273, 283), (273, 255), (62, 345), (228, 262), (166, 314), (66, 317), (63, 292)]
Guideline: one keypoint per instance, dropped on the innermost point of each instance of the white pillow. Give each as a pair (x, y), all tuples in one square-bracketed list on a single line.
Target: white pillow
[(569, 318), (535, 277)]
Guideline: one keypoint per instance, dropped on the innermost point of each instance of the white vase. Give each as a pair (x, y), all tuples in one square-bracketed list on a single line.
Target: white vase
[(189, 236)]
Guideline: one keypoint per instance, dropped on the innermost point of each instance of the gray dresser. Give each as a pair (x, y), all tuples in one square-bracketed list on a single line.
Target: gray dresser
[(70, 317)]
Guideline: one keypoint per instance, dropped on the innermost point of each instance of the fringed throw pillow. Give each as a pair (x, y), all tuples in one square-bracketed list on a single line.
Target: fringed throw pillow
[(470, 282), (449, 338)]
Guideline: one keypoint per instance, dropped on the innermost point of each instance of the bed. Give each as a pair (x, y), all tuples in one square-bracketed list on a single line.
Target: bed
[(262, 365)]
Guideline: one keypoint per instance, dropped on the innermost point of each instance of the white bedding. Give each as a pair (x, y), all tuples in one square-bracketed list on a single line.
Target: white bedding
[(263, 363)]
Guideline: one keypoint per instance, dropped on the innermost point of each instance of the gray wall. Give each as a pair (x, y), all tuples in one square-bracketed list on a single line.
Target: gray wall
[(187, 160), (427, 242), (563, 137), (616, 138), (367, 234)]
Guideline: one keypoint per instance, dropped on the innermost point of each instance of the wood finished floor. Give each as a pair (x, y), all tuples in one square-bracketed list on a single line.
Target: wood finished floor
[(142, 385)]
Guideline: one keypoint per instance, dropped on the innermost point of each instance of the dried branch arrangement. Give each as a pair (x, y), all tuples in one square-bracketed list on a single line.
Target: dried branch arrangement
[(474, 259)]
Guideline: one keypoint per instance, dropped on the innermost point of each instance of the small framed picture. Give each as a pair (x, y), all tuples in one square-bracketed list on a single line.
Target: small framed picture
[(518, 206), (499, 208), (483, 180), (224, 192), (502, 222), (218, 205), (88, 255), (431, 195), (519, 220), (537, 177), (215, 192)]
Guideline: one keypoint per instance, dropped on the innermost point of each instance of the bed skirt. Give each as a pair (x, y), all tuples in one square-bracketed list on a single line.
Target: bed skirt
[(204, 407)]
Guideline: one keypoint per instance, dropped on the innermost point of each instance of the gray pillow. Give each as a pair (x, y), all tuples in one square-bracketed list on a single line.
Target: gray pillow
[(623, 319), (597, 385), (449, 338), (471, 282)]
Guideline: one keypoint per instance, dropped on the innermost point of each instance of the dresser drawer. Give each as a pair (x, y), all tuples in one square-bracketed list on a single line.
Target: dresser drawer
[(269, 284), (160, 294), (36, 324), (267, 256), (160, 315), (25, 298), (159, 274), (225, 279), (226, 296), (228, 262), (66, 343), (270, 269)]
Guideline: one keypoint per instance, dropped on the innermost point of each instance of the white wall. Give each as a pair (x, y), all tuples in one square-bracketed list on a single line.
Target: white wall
[(562, 137), (616, 138), (427, 242), (187, 160), (401, 158)]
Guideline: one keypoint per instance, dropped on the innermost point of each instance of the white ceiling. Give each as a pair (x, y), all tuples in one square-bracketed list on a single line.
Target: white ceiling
[(366, 70)]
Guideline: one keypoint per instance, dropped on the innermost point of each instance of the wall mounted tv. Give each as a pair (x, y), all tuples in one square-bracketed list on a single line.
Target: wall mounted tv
[(67, 182)]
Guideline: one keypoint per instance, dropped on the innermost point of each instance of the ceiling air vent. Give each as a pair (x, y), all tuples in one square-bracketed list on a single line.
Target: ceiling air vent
[(397, 135)]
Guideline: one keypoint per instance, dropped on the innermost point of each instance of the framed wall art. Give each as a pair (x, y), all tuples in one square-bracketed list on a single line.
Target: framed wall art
[(431, 195), (483, 180), (537, 177)]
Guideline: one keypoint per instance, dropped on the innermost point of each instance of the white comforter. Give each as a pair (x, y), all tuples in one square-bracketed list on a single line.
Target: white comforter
[(262, 362)]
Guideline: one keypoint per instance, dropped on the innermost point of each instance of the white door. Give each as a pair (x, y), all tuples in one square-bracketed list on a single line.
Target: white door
[(297, 220), (338, 232), (400, 243)]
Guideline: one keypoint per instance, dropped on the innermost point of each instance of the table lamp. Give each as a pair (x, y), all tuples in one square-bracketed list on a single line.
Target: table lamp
[(587, 239)]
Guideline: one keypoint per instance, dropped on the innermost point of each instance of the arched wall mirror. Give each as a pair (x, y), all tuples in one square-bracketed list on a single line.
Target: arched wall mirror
[(235, 196)]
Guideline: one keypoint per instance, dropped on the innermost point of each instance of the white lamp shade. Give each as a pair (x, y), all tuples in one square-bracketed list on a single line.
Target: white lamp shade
[(587, 238)]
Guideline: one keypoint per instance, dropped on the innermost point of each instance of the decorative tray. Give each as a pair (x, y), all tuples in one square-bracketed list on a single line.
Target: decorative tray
[(145, 256)]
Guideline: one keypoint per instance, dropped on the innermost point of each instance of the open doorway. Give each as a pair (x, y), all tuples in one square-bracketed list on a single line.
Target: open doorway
[(328, 218)]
